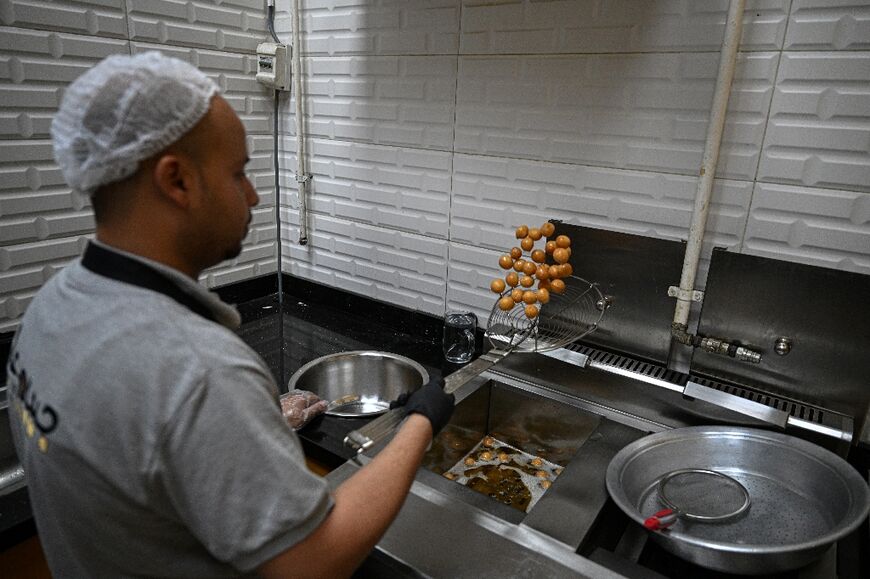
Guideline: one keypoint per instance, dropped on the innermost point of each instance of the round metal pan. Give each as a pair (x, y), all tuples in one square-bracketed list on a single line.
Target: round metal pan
[(803, 497), (361, 382)]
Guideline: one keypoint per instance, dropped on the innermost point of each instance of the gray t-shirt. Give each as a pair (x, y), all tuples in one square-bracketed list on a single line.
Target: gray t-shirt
[(151, 437)]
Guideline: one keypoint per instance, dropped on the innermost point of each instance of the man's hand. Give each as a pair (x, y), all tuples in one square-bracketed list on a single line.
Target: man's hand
[(300, 406), (431, 402)]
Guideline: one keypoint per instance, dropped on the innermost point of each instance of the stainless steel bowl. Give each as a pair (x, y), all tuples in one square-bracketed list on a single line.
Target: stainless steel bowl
[(359, 383), (803, 497)]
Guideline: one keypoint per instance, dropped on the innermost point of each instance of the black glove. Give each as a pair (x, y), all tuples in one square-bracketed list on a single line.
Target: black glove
[(431, 402)]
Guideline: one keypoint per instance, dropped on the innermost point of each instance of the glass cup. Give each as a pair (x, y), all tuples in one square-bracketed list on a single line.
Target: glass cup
[(459, 328)]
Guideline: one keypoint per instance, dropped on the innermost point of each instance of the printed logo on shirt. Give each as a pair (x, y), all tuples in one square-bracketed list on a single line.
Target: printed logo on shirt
[(35, 415)]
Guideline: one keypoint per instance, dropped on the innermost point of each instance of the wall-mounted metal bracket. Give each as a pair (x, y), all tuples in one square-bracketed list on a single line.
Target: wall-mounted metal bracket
[(304, 178), (685, 295)]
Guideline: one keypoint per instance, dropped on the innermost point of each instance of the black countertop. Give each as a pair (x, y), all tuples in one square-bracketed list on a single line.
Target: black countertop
[(316, 322)]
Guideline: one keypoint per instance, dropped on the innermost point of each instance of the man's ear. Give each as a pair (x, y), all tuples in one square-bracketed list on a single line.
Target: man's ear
[(175, 179)]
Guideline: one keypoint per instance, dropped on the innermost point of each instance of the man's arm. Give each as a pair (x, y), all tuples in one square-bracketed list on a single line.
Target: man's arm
[(366, 503), (364, 506)]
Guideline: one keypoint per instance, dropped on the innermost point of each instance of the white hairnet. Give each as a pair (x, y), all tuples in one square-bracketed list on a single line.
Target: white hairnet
[(122, 111)]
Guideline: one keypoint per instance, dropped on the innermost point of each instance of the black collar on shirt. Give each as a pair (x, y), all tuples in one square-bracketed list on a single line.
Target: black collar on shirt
[(119, 267)]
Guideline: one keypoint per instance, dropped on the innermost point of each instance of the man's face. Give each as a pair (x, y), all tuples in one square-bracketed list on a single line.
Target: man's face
[(224, 210)]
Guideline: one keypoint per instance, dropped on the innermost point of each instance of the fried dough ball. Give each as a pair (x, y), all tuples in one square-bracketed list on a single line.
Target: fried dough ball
[(560, 255), (518, 264), (469, 461), (505, 303), (543, 272), (545, 484), (547, 229), (504, 457), (530, 297), (539, 256), (542, 474), (522, 231), (488, 441), (512, 279), (527, 281), (505, 262), (529, 268), (449, 475), (550, 247), (497, 285), (563, 241), (543, 295), (557, 285), (531, 311), (537, 461), (517, 295), (486, 455), (535, 233), (567, 270), (527, 243), (516, 252), (544, 284)]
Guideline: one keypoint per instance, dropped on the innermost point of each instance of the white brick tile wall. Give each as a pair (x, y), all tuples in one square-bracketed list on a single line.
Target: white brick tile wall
[(828, 25), (590, 26), (388, 100), (390, 187), (638, 111), (43, 225), (492, 196), (819, 123), (232, 25), (343, 27), (400, 268), (437, 125), (90, 17), (817, 226)]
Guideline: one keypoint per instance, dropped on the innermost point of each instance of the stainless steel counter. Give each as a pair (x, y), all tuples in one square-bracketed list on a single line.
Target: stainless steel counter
[(579, 418)]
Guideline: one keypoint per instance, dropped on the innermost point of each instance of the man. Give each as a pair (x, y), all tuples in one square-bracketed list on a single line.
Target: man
[(149, 432)]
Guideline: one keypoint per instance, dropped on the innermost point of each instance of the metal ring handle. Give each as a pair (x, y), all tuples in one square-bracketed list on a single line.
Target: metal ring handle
[(670, 504)]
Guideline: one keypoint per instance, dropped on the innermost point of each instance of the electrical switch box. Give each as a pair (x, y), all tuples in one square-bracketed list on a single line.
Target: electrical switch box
[(272, 65)]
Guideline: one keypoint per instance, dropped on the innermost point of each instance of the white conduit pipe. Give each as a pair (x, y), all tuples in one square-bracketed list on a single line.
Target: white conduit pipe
[(727, 61), (302, 176)]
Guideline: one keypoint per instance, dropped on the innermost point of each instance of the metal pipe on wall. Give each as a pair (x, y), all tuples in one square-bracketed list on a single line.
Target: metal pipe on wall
[(685, 293), (302, 176)]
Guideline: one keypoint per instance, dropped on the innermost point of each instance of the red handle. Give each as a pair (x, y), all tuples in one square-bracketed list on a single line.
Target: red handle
[(661, 520)]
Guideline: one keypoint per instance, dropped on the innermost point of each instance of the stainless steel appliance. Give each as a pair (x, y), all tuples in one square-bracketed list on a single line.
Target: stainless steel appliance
[(579, 406)]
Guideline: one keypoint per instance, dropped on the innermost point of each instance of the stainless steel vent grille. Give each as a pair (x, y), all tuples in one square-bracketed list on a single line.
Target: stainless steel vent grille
[(661, 376)]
